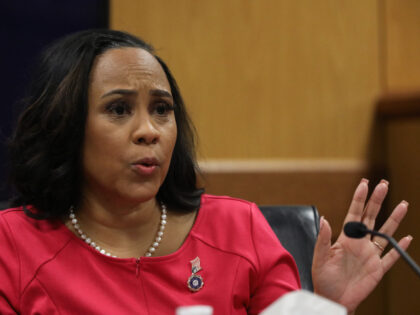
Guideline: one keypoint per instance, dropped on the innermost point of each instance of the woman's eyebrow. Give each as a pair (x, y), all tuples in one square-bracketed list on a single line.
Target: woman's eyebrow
[(120, 91), (154, 92), (161, 93)]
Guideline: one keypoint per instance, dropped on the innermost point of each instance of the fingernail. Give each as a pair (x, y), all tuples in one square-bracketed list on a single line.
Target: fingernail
[(321, 223), (385, 181), (410, 238), (364, 180), (405, 203)]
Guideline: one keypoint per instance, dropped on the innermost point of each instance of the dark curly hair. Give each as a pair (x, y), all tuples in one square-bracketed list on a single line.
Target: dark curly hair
[(45, 150)]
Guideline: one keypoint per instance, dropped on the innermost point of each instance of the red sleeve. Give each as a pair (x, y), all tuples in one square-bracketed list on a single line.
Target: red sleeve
[(9, 270), (277, 271)]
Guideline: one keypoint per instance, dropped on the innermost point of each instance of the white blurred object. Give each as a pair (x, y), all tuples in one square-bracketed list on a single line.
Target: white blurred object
[(195, 310), (304, 303)]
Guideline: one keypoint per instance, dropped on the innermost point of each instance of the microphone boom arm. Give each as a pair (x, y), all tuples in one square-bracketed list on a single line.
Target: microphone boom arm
[(402, 252)]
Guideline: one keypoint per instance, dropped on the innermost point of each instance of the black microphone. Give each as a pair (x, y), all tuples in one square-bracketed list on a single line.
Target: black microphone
[(359, 230)]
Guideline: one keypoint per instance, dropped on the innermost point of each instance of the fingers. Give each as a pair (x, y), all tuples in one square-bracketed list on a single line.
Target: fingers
[(392, 223), (323, 244), (374, 204), (392, 256), (358, 202)]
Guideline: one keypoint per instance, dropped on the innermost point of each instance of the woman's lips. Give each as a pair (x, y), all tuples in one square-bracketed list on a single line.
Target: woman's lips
[(144, 169), (146, 165)]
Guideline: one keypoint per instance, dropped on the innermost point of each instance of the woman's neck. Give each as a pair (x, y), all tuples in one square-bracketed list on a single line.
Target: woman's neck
[(124, 230), (118, 215)]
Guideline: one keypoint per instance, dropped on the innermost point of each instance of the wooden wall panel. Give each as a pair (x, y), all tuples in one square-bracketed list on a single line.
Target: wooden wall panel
[(329, 185), (404, 172), (295, 80), (402, 21), (268, 79), (402, 64)]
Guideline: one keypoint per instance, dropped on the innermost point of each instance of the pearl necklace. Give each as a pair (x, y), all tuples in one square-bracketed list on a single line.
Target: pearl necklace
[(74, 221)]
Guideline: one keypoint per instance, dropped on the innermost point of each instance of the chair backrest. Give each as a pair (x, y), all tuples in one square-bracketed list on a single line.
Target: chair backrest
[(4, 205), (297, 228)]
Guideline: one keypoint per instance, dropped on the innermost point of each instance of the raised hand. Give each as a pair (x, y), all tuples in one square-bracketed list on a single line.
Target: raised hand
[(349, 270)]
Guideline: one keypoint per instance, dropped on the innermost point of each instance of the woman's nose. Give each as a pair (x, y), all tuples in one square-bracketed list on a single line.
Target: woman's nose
[(145, 131)]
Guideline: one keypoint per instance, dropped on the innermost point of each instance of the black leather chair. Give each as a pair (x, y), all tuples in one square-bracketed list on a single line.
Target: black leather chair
[(4, 205), (297, 228)]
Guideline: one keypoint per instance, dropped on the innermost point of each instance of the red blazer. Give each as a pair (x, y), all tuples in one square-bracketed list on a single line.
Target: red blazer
[(46, 269)]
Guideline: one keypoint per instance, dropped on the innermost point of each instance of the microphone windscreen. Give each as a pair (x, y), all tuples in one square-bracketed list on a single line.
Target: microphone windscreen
[(355, 229)]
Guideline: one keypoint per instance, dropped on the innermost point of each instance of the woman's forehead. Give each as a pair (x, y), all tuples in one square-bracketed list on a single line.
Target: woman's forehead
[(129, 66)]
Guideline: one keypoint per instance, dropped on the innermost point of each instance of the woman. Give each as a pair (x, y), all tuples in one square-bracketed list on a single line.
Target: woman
[(109, 217)]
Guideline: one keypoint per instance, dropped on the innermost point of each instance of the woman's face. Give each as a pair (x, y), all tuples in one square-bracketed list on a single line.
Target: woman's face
[(130, 128)]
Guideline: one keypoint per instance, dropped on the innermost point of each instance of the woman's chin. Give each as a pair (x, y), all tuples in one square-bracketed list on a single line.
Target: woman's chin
[(137, 197)]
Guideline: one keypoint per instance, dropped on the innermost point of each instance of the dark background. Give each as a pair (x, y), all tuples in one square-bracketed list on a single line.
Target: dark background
[(26, 27)]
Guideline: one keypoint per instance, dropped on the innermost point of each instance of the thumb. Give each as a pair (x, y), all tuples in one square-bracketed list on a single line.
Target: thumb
[(323, 244)]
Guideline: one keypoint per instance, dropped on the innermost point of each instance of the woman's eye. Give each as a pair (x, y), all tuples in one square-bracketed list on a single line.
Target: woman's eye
[(119, 109), (163, 108)]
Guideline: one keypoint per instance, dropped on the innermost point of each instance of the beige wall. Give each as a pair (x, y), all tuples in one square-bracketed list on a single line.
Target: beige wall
[(268, 79), (402, 53), (294, 83)]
